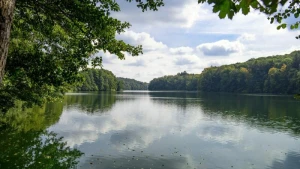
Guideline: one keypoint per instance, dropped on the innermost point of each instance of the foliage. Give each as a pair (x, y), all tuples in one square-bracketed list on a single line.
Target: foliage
[(98, 80), (104, 80), (277, 74), (181, 81), (131, 84), (35, 149), (35, 118), (278, 10), (26, 143), (92, 102), (51, 41)]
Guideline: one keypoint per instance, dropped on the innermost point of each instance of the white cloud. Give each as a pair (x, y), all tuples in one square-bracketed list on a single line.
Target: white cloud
[(181, 50), (183, 61), (138, 62), (187, 60), (192, 12), (175, 13), (149, 126), (107, 58), (247, 37), (223, 134), (220, 48), (148, 42)]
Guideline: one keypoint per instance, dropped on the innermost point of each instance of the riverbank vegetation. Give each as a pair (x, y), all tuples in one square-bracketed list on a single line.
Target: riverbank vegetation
[(275, 74), (105, 80), (181, 81), (98, 80), (132, 84)]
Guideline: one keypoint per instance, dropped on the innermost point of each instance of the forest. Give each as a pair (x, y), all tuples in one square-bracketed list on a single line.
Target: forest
[(105, 80), (132, 84), (181, 81), (275, 74), (98, 80)]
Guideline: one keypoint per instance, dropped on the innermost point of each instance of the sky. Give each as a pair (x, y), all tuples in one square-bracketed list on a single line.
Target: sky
[(186, 36)]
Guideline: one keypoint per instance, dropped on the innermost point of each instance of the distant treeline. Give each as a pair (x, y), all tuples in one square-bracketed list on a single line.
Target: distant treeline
[(105, 80), (181, 81), (276, 74), (131, 84), (99, 80)]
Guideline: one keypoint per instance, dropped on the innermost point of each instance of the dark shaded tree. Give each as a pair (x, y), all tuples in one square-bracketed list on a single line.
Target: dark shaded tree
[(181, 81), (132, 84), (98, 80)]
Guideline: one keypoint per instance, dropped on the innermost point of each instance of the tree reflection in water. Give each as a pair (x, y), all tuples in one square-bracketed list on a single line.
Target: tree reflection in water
[(35, 149), (26, 144)]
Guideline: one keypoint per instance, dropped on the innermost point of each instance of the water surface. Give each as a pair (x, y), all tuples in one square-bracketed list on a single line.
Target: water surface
[(171, 130)]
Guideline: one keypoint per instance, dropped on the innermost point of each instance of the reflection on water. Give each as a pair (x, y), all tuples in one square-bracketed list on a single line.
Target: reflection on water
[(25, 142), (36, 118), (180, 130), (291, 161), (35, 150), (91, 102)]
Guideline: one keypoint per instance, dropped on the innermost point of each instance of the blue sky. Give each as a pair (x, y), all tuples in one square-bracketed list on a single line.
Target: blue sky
[(187, 36)]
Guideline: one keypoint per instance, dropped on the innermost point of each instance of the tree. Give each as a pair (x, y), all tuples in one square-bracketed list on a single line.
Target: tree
[(6, 17), (277, 10), (131, 84), (181, 81), (36, 149), (26, 143), (98, 80), (50, 41), (274, 74)]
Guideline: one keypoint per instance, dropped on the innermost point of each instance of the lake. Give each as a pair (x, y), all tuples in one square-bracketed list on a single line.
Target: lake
[(142, 129)]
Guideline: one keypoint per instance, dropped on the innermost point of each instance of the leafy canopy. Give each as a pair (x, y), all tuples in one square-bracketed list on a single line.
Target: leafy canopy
[(51, 41)]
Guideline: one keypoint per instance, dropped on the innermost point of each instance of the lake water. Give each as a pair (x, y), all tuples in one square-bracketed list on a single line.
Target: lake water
[(141, 129)]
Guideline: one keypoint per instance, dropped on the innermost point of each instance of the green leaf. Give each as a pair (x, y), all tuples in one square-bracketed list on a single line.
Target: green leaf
[(224, 9), (222, 14), (283, 26), (278, 27), (245, 10), (216, 9), (230, 14), (254, 4), (245, 7)]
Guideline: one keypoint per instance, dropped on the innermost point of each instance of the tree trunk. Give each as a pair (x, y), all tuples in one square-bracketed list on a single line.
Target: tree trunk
[(6, 19)]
